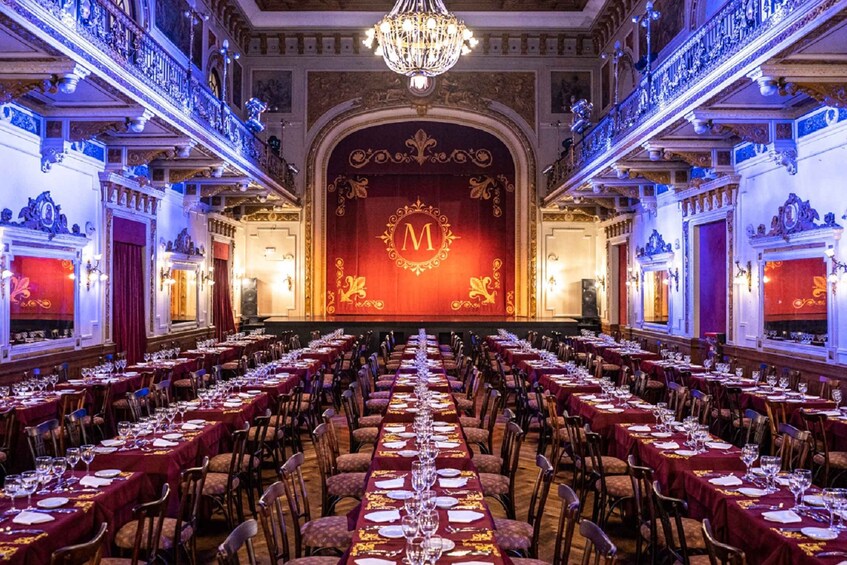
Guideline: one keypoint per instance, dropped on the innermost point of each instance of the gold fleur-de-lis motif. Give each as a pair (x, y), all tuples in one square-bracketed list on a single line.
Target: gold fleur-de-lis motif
[(355, 287), (420, 142), (479, 289)]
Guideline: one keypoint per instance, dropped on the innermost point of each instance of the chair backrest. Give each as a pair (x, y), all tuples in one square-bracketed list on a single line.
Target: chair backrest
[(599, 549), (758, 428), (826, 386), (150, 517), (291, 475), (241, 536), (74, 429), (642, 487), (777, 414), (576, 438), (721, 553), (538, 498), (677, 397), (88, 553), (568, 519), (701, 404), (274, 522), (191, 494), (42, 439), (71, 402), (8, 430), (323, 449), (794, 451), (671, 511)]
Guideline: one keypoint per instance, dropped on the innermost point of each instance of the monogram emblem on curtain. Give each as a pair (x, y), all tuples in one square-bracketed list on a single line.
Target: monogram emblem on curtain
[(491, 188), (348, 189), (418, 237), (483, 290), (421, 151), (351, 290)]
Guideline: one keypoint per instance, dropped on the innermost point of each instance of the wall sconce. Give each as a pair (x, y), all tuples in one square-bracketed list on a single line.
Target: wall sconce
[(206, 277), (288, 257), (741, 273), (552, 257), (94, 272), (673, 275), (600, 280), (552, 284), (632, 278), (837, 267), (290, 281), (166, 277)]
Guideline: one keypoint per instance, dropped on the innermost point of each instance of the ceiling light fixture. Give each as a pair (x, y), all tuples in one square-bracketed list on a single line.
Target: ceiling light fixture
[(420, 39)]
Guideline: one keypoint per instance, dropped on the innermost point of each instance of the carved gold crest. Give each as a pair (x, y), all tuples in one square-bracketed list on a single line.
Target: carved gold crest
[(421, 151), (419, 248)]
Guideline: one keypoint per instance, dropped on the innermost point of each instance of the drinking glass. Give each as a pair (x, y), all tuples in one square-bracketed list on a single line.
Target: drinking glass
[(413, 506), (415, 553), (58, 466), (433, 548), (803, 387), (830, 501), (124, 428), (749, 454), (756, 376), (836, 396), (12, 488), (800, 479), (428, 523), (770, 465), (409, 525), (73, 455), (44, 469), (182, 407), (429, 501), (29, 484), (87, 455)]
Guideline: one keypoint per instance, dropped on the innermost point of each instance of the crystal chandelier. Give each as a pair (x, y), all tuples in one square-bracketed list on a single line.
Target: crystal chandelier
[(420, 39)]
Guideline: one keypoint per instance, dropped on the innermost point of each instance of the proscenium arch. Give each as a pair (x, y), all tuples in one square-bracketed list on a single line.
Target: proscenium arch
[(499, 125)]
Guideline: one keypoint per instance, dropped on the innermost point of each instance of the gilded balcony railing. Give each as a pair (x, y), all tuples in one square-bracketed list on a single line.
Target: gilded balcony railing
[(734, 27), (110, 29)]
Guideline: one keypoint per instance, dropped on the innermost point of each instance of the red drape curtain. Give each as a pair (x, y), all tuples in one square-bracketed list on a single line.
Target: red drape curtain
[(713, 277), (128, 300), (221, 301)]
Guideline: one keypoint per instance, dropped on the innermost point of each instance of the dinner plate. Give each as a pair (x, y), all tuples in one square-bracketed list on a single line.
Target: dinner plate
[(443, 429), (813, 500), (686, 452), (172, 437), (820, 534), (100, 450), (395, 429), (661, 434), (406, 435), (615, 410), (446, 544), (53, 502), (197, 422), (757, 471), (755, 492), (448, 472), (107, 473), (408, 453), (446, 501), (400, 494), (391, 532), (254, 392), (440, 438)]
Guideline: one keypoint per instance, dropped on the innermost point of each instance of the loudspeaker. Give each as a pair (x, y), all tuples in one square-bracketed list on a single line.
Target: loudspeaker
[(249, 299), (589, 299)]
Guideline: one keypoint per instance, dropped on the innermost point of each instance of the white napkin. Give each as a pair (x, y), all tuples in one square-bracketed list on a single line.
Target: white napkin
[(112, 442), (463, 516), (383, 516), (666, 445), (639, 428), (830, 412), (453, 483), (30, 518), (394, 444), (604, 406), (728, 481), (191, 427), (159, 442), (487, 563), (446, 444), (718, 445), (94, 482), (373, 561), (782, 516), (391, 483)]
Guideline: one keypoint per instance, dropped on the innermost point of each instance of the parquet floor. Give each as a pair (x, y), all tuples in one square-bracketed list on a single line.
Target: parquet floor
[(212, 532)]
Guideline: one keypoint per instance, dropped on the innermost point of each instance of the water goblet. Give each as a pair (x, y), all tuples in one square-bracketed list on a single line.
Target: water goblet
[(739, 372), (44, 469), (428, 523), (59, 467), (783, 383), (29, 484), (409, 525), (756, 376), (433, 548), (749, 454), (771, 465), (12, 488), (798, 482), (836, 396), (429, 501), (87, 456), (412, 506), (830, 501), (182, 407), (124, 429), (803, 387), (73, 455), (415, 553), (771, 380)]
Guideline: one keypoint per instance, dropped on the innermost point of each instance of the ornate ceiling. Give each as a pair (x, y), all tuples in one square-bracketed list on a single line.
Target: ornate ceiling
[(458, 5)]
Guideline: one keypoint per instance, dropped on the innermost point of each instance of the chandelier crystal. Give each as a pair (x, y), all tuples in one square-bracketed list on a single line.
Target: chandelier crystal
[(420, 39)]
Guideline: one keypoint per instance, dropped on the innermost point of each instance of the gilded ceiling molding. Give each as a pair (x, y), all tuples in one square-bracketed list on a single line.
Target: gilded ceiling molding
[(474, 91), (714, 195), (222, 226), (619, 226), (270, 215), (832, 94), (129, 195), (12, 89), (753, 133), (693, 158), (575, 215)]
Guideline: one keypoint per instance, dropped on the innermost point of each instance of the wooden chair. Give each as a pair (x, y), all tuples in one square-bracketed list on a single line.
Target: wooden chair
[(311, 537), (511, 535), (641, 478), (101, 417), (777, 415), (336, 486), (149, 518), (8, 437), (359, 434), (241, 536), (88, 553), (43, 439), (677, 399), (757, 428), (822, 458), (794, 450), (483, 436), (75, 433), (826, 386), (610, 488), (223, 488), (501, 487), (599, 549), (701, 406), (345, 462), (138, 403), (721, 553), (680, 536)]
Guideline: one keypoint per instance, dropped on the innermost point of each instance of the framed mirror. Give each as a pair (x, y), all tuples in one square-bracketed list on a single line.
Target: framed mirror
[(184, 296), (655, 300), (795, 300), (42, 299)]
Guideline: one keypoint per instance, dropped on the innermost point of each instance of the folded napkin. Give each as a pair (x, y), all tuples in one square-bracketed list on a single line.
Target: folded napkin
[(446, 444), (383, 516), (718, 445), (394, 444), (830, 412), (94, 482), (463, 516), (639, 428), (391, 483), (490, 563), (782, 516), (112, 442), (604, 406), (159, 442), (728, 481), (191, 427), (30, 518), (373, 561), (453, 483), (666, 445)]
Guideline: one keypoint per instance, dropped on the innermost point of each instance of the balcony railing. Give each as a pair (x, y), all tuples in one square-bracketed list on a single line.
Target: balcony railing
[(118, 36), (734, 27)]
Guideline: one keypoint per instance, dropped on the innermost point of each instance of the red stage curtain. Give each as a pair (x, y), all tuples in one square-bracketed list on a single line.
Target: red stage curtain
[(221, 301), (713, 277), (41, 289), (128, 300), (420, 221)]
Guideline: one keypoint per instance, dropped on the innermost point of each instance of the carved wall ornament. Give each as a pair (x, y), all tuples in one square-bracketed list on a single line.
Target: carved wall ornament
[(421, 151), (693, 158), (42, 214), (655, 246), (785, 157), (753, 132), (348, 188), (659, 177), (12, 89), (184, 245), (85, 130), (833, 94), (491, 188), (795, 216), (569, 215)]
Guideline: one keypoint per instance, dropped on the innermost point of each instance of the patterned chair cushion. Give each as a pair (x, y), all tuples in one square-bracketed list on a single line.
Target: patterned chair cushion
[(372, 421), (316, 560), (366, 435), (377, 404), (456, 385), (216, 484), (494, 483), (487, 463), (463, 403), (476, 435), (330, 531), (98, 421), (512, 535), (230, 366), (837, 459), (353, 462), (328, 381), (526, 561), (618, 486), (125, 538), (220, 463), (120, 404), (3, 456), (381, 394), (655, 384), (273, 434), (611, 466), (469, 422), (183, 383), (346, 484), (692, 528)]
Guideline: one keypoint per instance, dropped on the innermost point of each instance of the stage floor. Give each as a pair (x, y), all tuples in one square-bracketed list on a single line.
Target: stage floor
[(420, 319)]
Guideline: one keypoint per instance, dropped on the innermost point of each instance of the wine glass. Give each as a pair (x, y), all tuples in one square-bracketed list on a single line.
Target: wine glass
[(29, 484), (798, 481), (830, 501), (836, 396), (428, 523), (124, 428), (433, 548), (12, 488), (770, 466), (87, 454), (412, 506), (58, 466), (415, 553), (44, 469), (409, 525), (749, 454), (73, 455)]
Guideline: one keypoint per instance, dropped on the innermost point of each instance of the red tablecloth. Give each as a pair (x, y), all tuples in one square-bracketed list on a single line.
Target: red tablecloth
[(603, 421), (233, 418), (563, 387)]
